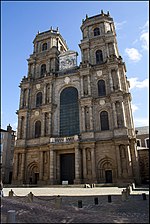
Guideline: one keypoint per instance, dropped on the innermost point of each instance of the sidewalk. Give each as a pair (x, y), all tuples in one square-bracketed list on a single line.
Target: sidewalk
[(43, 208)]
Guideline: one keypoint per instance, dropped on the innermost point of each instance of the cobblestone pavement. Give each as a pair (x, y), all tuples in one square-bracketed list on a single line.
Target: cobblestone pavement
[(43, 208)]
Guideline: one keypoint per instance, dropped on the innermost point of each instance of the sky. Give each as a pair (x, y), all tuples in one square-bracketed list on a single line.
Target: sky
[(21, 21)]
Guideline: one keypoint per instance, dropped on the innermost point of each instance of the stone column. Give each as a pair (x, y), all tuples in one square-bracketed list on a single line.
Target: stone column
[(51, 174), (43, 125), (82, 86), (77, 165), (84, 164), (19, 127), (50, 93), (50, 123), (118, 161), (21, 98), (107, 50), (114, 115), (41, 166), (27, 97), (15, 167), (22, 167), (93, 164), (89, 85), (44, 94), (128, 156), (91, 118), (130, 114), (110, 81), (119, 82), (123, 113), (83, 118)]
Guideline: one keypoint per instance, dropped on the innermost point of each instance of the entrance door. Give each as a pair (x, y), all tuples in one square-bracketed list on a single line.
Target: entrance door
[(36, 178), (67, 167), (108, 176)]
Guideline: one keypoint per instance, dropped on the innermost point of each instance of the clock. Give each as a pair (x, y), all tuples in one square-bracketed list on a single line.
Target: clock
[(37, 113)]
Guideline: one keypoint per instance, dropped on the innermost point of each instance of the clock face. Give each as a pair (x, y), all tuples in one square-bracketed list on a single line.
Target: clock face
[(36, 113)]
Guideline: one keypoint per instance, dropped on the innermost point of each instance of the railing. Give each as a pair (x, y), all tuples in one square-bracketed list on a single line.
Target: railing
[(74, 138)]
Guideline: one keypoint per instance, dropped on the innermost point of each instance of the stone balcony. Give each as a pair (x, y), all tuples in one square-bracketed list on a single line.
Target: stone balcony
[(61, 140)]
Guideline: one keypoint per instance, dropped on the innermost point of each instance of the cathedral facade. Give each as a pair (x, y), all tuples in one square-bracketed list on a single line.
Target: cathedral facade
[(75, 123)]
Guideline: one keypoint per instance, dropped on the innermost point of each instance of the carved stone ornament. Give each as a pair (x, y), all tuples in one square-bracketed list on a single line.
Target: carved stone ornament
[(99, 73), (37, 113), (67, 80), (102, 102), (38, 86)]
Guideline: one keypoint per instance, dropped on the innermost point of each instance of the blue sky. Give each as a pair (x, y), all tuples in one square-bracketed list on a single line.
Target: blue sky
[(20, 22)]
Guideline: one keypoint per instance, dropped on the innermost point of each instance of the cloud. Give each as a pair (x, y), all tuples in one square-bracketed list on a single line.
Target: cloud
[(134, 83), (119, 26), (145, 40), (133, 54), (134, 107), (144, 37)]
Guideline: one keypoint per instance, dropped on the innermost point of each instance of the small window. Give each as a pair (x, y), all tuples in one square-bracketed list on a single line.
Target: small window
[(43, 70), (38, 99), (138, 142), (96, 32), (99, 57), (44, 47), (101, 88), (104, 121), (147, 142), (37, 129)]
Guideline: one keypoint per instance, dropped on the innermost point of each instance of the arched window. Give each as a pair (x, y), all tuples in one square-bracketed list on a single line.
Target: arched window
[(99, 57), (37, 129), (96, 32), (44, 47), (69, 112), (38, 99), (104, 121), (43, 70), (101, 88)]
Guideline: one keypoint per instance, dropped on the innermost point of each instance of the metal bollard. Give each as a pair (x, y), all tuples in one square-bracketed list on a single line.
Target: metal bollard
[(144, 196), (30, 197), (10, 193), (80, 204), (11, 216), (96, 201), (109, 198), (58, 202), (124, 195)]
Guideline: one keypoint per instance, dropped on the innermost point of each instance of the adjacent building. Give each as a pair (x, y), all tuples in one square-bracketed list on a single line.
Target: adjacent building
[(75, 122), (143, 152), (7, 152)]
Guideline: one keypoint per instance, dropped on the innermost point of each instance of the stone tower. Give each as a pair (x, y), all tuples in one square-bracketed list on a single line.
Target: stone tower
[(75, 122)]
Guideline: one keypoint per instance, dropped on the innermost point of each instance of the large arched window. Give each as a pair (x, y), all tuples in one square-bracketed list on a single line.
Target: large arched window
[(101, 88), (104, 121), (99, 57), (96, 32), (43, 70), (37, 129), (69, 112), (44, 47), (38, 99)]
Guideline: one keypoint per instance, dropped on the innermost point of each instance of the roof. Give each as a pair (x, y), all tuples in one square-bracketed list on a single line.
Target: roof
[(142, 130)]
